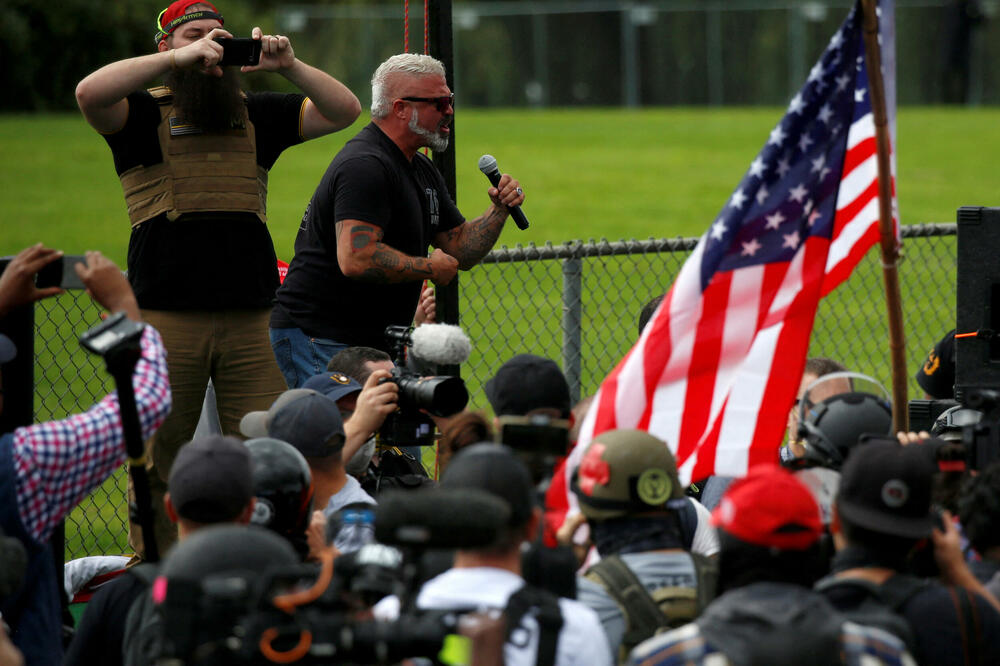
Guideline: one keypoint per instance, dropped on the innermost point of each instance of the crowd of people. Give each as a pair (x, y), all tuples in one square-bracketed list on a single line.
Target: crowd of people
[(302, 532)]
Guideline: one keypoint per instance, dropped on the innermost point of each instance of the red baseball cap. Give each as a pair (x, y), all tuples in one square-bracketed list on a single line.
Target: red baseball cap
[(771, 508), (176, 15)]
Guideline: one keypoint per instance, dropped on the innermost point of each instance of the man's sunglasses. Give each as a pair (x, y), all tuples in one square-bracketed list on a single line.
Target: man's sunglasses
[(442, 103)]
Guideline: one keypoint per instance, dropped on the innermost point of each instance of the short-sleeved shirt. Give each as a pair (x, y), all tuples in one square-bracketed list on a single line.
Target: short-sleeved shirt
[(204, 261), (372, 181)]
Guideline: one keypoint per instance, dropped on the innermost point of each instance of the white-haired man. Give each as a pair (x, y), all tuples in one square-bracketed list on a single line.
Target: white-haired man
[(361, 251)]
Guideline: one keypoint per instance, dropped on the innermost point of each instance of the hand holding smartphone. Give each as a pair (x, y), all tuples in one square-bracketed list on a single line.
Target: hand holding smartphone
[(239, 51)]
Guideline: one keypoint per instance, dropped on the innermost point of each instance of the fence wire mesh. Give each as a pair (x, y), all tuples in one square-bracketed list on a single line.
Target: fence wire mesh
[(577, 303)]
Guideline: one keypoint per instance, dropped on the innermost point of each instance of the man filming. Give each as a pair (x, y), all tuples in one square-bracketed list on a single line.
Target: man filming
[(361, 251), (193, 158)]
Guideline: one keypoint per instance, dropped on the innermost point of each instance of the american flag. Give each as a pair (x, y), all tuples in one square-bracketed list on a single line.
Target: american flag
[(719, 364)]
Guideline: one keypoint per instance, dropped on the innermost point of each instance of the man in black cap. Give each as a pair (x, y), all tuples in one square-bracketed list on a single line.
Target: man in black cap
[(489, 577), (311, 422), (936, 375), (210, 483), (883, 510)]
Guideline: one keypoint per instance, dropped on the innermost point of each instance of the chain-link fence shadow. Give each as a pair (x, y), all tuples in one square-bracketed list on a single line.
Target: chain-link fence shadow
[(577, 303)]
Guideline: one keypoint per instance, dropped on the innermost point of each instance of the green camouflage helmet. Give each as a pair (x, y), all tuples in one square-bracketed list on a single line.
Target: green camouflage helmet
[(625, 472)]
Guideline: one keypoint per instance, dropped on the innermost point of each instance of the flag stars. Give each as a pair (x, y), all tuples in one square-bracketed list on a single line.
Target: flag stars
[(783, 167), (804, 142), (816, 73), (796, 105), (813, 216), (757, 167), (777, 136), (808, 207), (791, 240), (750, 248), (762, 195), (738, 199), (719, 229), (774, 221), (825, 113), (824, 171), (818, 164), (859, 95), (837, 40), (798, 193), (842, 82)]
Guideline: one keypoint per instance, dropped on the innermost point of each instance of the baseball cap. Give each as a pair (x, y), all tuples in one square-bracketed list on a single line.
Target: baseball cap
[(528, 382), (937, 374), (255, 424), (887, 488), (176, 14), (311, 423), (211, 480), (334, 385), (495, 469), (771, 508), (7, 349)]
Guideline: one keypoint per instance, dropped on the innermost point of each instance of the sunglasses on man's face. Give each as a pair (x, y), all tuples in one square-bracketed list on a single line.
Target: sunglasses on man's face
[(441, 103)]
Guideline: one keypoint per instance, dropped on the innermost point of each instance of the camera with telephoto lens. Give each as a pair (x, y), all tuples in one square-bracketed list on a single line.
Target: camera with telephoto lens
[(442, 395), (114, 334)]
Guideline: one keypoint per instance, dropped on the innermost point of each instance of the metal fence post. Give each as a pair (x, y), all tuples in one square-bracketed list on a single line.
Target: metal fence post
[(572, 311)]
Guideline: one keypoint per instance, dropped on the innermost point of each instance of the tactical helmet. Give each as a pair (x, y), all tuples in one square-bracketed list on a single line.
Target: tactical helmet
[(625, 472), (283, 486), (831, 429)]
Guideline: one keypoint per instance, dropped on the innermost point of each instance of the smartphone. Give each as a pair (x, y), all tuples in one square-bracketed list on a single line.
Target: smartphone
[(51, 274), (239, 51)]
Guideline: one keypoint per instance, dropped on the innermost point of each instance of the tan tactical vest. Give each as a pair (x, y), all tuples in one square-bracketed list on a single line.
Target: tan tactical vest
[(199, 173)]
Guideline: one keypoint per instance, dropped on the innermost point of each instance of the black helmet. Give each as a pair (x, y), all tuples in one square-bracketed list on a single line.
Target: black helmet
[(831, 428), (283, 486)]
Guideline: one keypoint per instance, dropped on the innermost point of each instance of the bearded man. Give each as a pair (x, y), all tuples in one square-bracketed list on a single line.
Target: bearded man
[(193, 158), (361, 250)]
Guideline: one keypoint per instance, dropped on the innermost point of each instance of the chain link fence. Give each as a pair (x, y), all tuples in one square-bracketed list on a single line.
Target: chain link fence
[(577, 303)]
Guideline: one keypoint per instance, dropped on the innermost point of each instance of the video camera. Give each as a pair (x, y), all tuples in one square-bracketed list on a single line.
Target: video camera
[(438, 395), (309, 615)]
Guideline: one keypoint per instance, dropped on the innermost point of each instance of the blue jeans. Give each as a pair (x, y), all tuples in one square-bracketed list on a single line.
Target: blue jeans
[(300, 356)]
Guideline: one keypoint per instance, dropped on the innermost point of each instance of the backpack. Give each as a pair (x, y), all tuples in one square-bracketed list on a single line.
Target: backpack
[(882, 605), (648, 613)]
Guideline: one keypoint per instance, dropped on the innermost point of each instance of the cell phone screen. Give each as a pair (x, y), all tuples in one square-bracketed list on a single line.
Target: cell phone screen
[(239, 52)]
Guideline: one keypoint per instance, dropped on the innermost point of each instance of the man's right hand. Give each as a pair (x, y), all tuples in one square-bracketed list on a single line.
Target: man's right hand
[(375, 402), (203, 54), (17, 284), (444, 267), (107, 285)]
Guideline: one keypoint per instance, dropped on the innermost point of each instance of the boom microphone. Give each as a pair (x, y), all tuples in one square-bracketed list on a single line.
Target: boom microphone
[(488, 165), (441, 344), (440, 518)]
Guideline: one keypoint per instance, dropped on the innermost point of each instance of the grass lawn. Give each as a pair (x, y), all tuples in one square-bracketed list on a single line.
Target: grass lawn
[(587, 173)]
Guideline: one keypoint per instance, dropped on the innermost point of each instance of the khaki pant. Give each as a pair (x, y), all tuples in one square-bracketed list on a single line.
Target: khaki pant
[(231, 347)]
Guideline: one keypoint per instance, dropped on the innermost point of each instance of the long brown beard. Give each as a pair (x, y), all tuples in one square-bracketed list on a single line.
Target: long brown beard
[(209, 102)]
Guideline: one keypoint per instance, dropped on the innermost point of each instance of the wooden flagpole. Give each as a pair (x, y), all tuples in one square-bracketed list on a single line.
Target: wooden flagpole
[(889, 248)]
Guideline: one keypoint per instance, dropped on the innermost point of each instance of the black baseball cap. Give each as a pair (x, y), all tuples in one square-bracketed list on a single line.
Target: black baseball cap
[(497, 470), (528, 382), (211, 480), (311, 423), (886, 488), (937, 374)]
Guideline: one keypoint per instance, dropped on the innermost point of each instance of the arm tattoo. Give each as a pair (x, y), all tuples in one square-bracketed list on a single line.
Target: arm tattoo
[(363, 235), (479, 237)]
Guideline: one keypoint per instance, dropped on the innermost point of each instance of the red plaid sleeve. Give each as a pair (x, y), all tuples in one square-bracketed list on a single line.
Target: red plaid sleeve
[(60, 462)]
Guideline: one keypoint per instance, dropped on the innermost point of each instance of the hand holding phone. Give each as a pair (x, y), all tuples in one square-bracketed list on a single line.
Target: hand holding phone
[(239, 51)]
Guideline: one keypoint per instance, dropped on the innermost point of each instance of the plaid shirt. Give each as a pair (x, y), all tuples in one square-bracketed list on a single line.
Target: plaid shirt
[(860, 646), (58, 463)]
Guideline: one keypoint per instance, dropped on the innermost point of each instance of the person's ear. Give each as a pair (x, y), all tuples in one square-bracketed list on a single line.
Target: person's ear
[(162, 45)]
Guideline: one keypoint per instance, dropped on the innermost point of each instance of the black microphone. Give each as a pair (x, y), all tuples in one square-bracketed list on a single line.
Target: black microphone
[(488, 165), (440, 518)]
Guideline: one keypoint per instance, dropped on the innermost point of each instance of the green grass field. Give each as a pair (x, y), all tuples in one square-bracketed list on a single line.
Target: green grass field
[(587, 174)]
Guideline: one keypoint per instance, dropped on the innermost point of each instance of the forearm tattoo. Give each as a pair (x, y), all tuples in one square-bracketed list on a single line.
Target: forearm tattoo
[(385, 264), (479, 236)]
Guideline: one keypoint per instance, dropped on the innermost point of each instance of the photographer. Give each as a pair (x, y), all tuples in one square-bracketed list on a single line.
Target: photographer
[(193, 158), (47, 468)]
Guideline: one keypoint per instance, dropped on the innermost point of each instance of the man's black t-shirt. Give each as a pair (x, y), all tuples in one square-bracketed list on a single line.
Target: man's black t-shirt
[(204, 261), (372, 181), (101, 631)]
